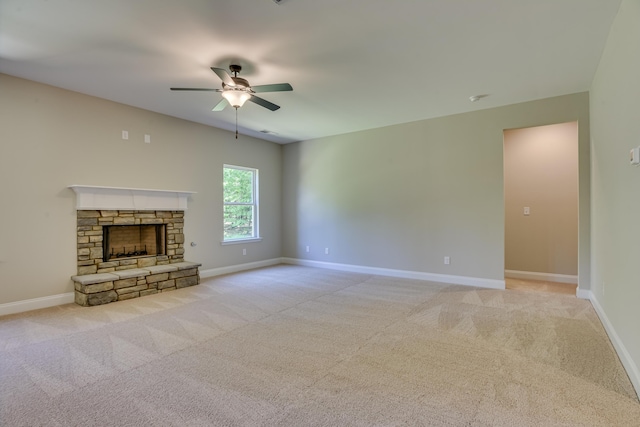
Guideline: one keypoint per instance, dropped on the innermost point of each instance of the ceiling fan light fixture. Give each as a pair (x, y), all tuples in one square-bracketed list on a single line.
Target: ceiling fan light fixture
[(236, 98)]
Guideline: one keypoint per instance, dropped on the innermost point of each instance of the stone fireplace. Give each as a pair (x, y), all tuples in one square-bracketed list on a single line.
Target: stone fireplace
[(124, 252), (113, 240)]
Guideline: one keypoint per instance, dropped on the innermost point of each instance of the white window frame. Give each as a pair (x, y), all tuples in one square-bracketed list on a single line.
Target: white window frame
[(255, 204)]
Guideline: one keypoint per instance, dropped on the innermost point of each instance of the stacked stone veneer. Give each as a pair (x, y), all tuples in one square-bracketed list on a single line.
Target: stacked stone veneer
[(90, 238), (99, 282)]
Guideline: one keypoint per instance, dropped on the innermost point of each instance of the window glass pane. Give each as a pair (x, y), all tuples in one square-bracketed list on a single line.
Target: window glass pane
[(238, 222), (238, 186), (240, 203)]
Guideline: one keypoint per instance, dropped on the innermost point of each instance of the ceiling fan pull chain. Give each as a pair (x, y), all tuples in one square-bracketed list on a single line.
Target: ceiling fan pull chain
[(236, 122)]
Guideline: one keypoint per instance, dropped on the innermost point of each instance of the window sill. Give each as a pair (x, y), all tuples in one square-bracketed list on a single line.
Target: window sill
[(240, 241)]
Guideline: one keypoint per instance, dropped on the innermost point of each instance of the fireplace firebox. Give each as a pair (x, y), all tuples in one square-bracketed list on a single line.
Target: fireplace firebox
[(132, 241)]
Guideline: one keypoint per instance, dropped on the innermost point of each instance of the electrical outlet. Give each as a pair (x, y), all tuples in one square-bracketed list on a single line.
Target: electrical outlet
[(326, 251), (447, 260), (125, 134), (244, 251), (147, 138), (306, 248)]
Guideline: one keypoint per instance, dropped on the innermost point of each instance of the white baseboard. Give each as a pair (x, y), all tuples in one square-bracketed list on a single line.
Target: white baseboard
[(547, 277), (405, 274), (584, 294), (623, 354), (68, 298), (212, 272), (36, 303)]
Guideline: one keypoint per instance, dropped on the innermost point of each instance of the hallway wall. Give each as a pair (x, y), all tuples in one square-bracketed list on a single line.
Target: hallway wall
[(541, 173)]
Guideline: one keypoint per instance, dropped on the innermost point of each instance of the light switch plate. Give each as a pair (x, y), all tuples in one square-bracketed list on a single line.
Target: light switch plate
[(634, 156)]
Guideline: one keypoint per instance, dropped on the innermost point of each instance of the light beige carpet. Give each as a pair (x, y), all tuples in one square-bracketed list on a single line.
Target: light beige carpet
[(297, 346)]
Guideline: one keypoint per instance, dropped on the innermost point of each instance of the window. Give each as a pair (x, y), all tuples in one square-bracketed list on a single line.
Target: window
[(240, 203)]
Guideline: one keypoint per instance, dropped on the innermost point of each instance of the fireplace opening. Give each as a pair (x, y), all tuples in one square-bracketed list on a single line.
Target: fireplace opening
[(133, 241)]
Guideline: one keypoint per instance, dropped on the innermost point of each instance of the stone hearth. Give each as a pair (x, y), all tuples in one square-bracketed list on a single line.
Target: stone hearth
[(103, 288)]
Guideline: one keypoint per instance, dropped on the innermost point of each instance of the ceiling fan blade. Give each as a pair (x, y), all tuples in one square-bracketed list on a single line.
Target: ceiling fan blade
[(224, 76), (264, 103), (196, 88), (220, 105), (276, 87)]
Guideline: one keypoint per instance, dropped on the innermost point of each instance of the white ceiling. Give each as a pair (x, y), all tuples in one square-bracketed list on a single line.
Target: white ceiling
[(354, 65)]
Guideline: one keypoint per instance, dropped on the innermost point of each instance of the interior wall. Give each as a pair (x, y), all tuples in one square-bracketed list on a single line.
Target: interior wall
[(51, 138), (404, 197), (615, 183), (541, 173)]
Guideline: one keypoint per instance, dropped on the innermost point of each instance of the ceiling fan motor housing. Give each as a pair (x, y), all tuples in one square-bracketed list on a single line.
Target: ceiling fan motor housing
[(240, 82)]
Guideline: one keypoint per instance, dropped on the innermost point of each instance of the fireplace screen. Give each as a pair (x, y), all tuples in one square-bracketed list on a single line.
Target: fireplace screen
[(130, 241)]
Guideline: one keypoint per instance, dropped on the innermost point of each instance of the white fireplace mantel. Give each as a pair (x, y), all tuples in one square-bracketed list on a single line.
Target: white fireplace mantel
[(115, 198)]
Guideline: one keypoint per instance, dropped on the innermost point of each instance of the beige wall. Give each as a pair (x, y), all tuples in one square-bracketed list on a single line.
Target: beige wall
[(616, 184), (51, 138), (541, 173), (398, 197), (405, 196)]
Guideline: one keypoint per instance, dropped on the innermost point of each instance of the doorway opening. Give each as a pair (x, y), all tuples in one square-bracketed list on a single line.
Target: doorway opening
[(541, 208)]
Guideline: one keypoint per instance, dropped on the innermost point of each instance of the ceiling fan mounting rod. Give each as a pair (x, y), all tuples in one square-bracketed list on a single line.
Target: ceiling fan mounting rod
[(235, 69)]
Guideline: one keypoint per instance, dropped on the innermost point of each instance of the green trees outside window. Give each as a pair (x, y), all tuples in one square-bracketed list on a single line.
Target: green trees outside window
[(240, 203)]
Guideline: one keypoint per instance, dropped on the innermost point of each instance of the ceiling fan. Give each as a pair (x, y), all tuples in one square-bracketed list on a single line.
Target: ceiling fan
[(236, 90)]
